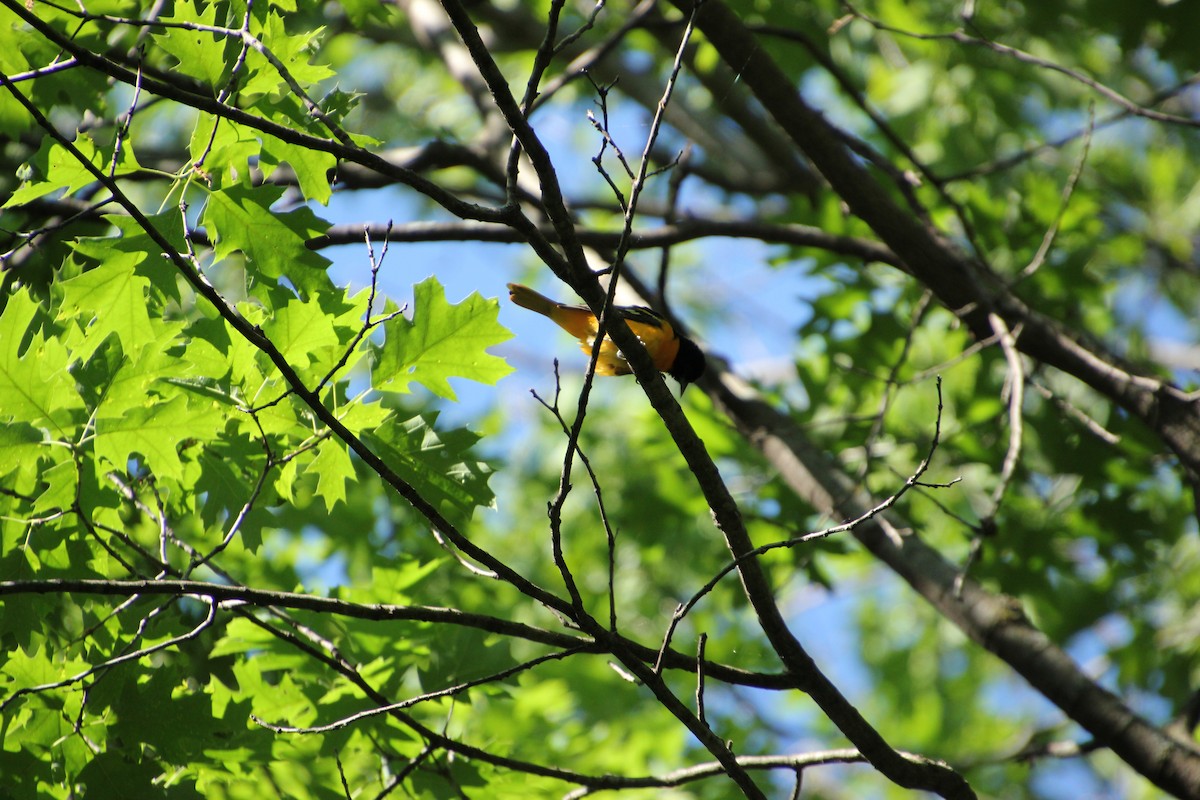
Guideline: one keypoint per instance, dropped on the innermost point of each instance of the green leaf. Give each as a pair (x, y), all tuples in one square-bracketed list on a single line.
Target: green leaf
[(21, 622), (186, 718), (115, 775), (225, 149), (135, 247), (33, 668), (55, 168), (35, 383), (333, 469), (362, 415), (441, 341), (461, 654), (21, 447), (229, 468), (312, 167), (109, 299), (300, 329), (437, 464), (240, 219), (208, 349), (200, 54), (292, 52), (133, 379), (14, 119), (154, 432), (363, 12)]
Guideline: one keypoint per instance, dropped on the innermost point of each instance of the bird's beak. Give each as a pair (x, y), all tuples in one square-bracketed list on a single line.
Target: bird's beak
[(683, 385)]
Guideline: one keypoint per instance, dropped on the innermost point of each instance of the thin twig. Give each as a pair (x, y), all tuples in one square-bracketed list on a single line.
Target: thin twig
[(1092, 426), (403, 774), (579, 66), (226, 92), (236, 526), (123, 127), (639, 180), (337, 759), (573, 443), (588, 24), (685, 230), (541, 62), (607, 141), (49, 69), (699, 772), (968, 351), (369, 324), (1016, 399), (674, 186), (1068, 191), (890, 382)]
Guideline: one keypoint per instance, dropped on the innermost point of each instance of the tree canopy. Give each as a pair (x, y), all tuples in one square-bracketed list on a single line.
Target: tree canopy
[(289, 511)]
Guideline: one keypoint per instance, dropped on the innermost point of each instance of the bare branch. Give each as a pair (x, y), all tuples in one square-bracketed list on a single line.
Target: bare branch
[(1043, 250), (1016, 400), (796, 763), (555, 506), (664, 236)]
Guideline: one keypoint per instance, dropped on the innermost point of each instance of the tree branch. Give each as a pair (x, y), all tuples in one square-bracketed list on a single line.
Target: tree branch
[(688, 230)]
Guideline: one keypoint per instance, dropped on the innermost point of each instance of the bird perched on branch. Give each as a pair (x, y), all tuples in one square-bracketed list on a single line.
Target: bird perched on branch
[(673, 354)]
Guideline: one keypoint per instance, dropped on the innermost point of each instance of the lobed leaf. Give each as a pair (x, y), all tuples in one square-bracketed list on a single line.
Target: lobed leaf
[(441, 341)]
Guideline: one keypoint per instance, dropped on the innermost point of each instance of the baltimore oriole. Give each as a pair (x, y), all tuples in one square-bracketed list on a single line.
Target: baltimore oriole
[(673, 354)]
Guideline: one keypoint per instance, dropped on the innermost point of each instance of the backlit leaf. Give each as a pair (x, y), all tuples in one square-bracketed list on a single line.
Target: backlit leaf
[(441, 341)]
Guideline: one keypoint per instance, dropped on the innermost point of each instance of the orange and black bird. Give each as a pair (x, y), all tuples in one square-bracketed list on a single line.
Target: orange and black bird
[(673, 354)]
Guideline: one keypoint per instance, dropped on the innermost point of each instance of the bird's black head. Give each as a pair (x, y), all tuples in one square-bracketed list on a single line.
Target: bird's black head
[(689, 364)]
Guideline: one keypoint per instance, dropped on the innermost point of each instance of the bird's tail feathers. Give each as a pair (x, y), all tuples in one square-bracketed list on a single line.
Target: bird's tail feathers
[(528, 298)]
